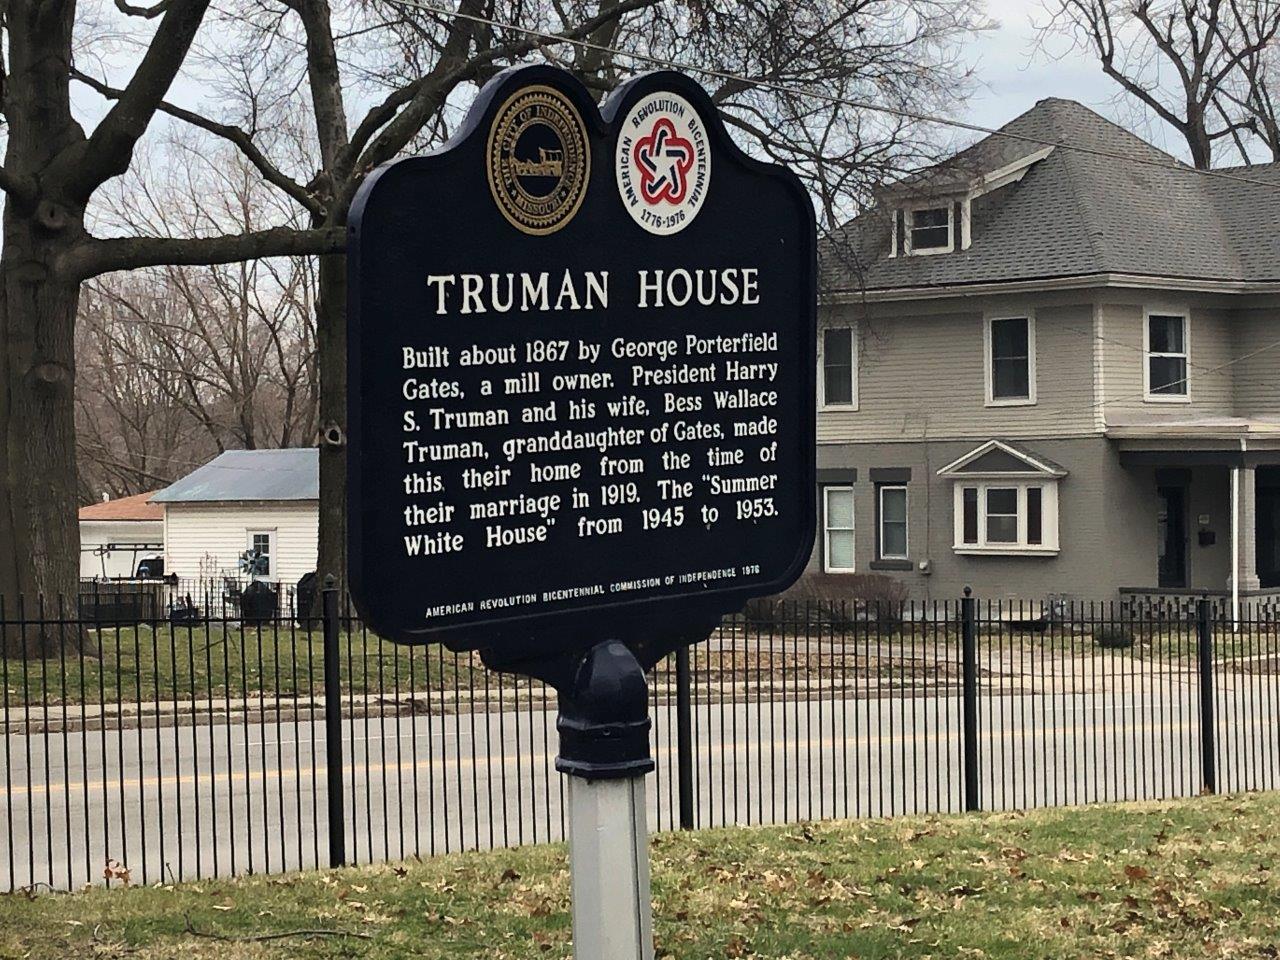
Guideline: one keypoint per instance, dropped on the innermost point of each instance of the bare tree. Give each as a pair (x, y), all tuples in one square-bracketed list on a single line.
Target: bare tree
[(129, 436), (1250, 96), (1202, 44), (181, 362), (51, 172)]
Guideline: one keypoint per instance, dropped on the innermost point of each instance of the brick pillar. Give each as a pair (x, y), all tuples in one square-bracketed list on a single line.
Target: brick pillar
[(1247, 510)]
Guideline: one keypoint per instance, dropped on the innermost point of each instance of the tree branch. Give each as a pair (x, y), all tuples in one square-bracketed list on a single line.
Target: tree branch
[(432, 90), (108, 150), (148, 13), (94, 256), (235, 135)]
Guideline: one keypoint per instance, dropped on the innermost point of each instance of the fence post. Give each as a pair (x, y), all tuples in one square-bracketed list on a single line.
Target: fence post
[(684, 737), (333, 726), (969, 672), (1204, 658)]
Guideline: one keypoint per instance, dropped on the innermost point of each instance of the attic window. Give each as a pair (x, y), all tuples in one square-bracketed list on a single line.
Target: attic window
[(932, 230)]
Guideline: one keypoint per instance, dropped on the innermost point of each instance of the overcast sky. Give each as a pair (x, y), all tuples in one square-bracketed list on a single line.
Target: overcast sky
[(1013, 75)]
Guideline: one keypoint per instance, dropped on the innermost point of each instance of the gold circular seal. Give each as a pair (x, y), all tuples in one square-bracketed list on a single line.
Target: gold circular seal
[(538, 160)]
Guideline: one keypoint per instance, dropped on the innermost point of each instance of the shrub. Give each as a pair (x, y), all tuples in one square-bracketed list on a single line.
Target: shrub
[(845, 599), (1113, 638)]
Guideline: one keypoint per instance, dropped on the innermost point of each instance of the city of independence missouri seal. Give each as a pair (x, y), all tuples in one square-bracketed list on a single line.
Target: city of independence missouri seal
[(663, 162), (538, 161)]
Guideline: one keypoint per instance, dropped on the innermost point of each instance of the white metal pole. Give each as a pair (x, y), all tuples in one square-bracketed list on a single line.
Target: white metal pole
[(609, 869), (1235, 549)]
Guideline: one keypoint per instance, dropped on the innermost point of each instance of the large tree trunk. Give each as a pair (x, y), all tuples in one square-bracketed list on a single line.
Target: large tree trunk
[(331, 352), (39, 532)]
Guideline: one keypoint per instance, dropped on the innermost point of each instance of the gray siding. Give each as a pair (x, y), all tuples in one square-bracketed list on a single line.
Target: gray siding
[(1212, 389), (921, 374), (1107, 514), (1257, 379)]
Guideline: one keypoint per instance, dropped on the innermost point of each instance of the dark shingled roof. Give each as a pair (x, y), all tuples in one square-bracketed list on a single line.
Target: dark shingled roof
[(1075, 213), (249, 475)]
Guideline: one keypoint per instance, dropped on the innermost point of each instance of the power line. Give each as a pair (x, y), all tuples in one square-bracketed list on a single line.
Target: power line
[(901, 113)]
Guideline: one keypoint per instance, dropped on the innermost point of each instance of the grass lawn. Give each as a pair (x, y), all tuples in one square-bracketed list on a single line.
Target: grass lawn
[(181, 662), (1187, 879), (141, 663)]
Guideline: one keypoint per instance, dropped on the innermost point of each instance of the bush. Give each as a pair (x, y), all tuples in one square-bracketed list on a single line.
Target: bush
[(840, 600), (1113, 638)]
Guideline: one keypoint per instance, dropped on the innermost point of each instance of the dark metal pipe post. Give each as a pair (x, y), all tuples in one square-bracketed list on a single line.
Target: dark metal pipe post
[(684, 736), (333, 726), (969, 710), (1204, 656)]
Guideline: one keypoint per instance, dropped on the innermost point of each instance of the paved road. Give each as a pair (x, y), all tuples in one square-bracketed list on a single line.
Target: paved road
[(196, 801)]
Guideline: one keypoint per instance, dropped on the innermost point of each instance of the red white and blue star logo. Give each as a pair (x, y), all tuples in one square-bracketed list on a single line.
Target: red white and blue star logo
[(663, 162), (664, 159)]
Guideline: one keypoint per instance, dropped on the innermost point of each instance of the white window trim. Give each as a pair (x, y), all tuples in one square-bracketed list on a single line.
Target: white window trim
[(989, 373), (1048, 546), (907, 218), (880, 489), (252, 532), (852, 405), (1147, 314), (826, 528)]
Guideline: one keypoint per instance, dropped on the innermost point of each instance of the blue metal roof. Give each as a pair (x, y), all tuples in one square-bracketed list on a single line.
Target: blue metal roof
[(249, 475)]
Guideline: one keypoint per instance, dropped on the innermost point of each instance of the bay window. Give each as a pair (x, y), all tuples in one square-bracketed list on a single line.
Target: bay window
[(1006, 516)]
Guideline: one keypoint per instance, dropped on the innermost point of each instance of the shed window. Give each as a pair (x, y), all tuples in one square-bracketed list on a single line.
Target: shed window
[(263, 544)]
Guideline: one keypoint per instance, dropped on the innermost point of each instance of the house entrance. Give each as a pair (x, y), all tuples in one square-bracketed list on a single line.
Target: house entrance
[(1269, 527), (1171, 536)]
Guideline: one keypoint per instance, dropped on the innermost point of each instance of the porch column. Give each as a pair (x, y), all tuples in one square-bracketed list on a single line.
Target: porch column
[(1246, 526)]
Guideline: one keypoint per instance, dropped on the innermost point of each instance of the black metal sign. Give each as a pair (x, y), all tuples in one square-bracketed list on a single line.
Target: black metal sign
[(581, 373)]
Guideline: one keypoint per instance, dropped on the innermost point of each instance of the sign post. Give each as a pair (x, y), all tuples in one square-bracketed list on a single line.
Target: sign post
[(581, 364)]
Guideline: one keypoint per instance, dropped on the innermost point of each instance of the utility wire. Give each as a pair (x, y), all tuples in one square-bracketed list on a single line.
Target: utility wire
[(725, 75)]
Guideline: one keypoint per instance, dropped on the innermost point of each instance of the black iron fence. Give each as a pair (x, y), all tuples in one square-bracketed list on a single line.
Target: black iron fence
[(163, 748), (123, 601)]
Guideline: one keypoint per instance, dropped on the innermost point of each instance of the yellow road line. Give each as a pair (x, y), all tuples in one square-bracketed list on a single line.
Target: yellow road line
[(170, 781)]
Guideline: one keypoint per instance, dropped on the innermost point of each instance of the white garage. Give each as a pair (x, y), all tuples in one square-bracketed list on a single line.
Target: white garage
[(262, 500)]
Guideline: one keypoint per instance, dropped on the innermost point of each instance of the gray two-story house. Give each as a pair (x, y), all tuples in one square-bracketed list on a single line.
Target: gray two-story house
[(1048, 371)]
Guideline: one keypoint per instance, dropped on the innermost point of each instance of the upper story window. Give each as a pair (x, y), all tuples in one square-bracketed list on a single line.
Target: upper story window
[(1167, 356), (838, 363), (1010, 345), (930, 229)]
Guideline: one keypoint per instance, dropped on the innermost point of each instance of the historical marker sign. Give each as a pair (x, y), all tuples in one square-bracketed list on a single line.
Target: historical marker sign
[(581, 361)]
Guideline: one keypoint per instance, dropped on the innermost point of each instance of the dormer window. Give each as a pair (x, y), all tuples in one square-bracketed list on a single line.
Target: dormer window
[(930, 227), (931, 230)]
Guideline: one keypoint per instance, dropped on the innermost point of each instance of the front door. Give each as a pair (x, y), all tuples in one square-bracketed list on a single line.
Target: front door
[(1172, 536), (1269, 528)]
